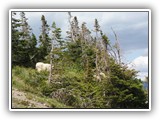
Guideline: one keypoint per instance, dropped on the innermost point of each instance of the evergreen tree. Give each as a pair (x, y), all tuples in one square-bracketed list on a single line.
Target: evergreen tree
[(57, 34), (74, 32), (86, 34), (124, 90), (33, 51), (25, 28), (56, 50), (15, 38), (23, 45), (75, 26), (44, 40)]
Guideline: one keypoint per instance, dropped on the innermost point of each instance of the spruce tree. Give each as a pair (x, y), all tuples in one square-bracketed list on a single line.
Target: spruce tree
[(15, 25), (44, 40), (22, 42), (57, 34), (33, 51)]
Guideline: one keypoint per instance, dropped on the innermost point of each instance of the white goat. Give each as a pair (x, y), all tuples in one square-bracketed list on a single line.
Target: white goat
[(40, 66), (100, 76)]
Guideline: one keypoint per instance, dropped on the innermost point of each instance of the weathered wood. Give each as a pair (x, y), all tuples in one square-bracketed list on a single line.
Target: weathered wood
[(69, 19), (51, 58), (117, 47)]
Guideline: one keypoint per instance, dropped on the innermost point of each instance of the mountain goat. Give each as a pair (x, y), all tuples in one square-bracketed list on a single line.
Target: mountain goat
[(40, 66), (100, 76)]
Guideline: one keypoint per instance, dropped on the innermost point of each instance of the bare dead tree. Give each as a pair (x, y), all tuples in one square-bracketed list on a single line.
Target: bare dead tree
[(51, 58), (51, 63), (76, 31), (71, 26), (97, 29), (105, 54), (117, 46), (112, 52)]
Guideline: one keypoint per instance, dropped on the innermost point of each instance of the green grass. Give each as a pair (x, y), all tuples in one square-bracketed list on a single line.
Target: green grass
[(30, 82)]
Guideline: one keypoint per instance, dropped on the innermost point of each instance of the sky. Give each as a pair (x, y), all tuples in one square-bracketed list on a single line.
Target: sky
[(130, 27)]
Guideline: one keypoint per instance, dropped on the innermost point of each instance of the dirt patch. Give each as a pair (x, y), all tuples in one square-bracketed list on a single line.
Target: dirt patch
[(19, 99)]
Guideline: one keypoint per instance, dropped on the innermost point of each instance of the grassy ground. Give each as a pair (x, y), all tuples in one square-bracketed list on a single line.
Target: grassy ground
[(27, 87)]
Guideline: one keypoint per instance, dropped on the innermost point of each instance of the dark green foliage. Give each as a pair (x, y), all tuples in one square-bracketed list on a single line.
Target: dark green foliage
[(23, 44), (75, 51), (126, 94), (122, 71), (96, 25), (105, 40), (124, 90), (15, 38), (44, 40), (47, 90), (57, 34)]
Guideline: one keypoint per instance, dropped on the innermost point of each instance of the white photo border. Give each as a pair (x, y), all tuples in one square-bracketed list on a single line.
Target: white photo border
[(79, 10)]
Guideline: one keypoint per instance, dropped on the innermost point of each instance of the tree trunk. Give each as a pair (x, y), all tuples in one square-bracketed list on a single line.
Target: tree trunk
[(51, 63), (117, 46), (97, 67), (72, 36)]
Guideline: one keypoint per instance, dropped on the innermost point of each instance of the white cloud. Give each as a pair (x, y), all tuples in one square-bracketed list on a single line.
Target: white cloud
[(140, 64), (142, 75)]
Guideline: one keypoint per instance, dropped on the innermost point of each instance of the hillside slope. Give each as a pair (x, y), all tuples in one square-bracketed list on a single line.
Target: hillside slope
[(25, 94), (72, 89)]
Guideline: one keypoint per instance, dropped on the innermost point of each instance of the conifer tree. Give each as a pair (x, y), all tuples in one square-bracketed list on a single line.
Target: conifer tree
[(56, 49), (15, 38), (86, 34), (74, 32), (44, 40), (57, 34), (70, 32), (124, 91), (25, 45), (33, 51), (25, 28)]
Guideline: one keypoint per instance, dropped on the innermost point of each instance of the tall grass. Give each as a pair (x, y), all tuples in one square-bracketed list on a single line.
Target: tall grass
[(34, 84), (27, 79)]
